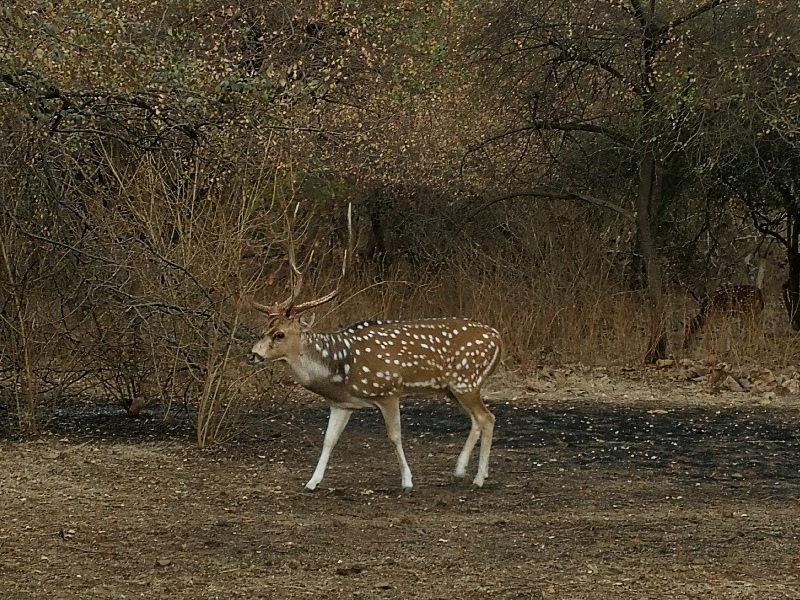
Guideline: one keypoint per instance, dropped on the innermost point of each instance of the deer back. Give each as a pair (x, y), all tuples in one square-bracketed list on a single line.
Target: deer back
[(372, 359), (735, 299)]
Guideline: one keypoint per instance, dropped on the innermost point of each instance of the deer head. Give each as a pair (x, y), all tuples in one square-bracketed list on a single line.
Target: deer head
[(288, 321)]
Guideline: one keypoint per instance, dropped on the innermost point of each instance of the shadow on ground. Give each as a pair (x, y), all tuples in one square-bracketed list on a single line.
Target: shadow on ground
[(697, 443)]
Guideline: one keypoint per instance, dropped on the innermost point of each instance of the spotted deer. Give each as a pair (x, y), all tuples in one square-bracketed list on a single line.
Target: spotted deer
[(371, 364), (744, 300)]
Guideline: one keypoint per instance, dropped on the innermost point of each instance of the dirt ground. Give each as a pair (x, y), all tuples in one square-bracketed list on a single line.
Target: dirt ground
[(622, 486)]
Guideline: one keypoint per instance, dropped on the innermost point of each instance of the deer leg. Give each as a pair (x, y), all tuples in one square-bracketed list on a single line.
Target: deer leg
[(482, 427), (487, 431), (463, 458), (336, 423), (390, 409), (474, 433)]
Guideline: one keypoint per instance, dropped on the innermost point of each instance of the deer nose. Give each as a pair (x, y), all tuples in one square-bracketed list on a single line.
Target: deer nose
[(254, 358)]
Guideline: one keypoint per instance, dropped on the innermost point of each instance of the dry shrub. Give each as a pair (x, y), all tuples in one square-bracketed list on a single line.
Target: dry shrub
[(604, 327), (134, 290), (555, 284), (137, 290)]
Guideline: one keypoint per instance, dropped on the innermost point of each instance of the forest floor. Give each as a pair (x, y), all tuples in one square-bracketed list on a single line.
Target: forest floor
[(634, 484)]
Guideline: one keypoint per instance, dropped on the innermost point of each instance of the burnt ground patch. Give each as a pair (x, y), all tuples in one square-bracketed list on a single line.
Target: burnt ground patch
[(726, 443)]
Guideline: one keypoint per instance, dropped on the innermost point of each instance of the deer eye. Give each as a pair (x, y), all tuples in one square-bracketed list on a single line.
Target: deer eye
[(278, 335)]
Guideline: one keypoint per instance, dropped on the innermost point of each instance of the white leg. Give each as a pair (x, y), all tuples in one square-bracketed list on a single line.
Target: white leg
[(487, 427), (463, 459), (391, 415), (482, 427), (336, 423)]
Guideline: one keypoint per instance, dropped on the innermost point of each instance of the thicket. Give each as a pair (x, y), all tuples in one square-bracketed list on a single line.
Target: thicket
[(566, 172)]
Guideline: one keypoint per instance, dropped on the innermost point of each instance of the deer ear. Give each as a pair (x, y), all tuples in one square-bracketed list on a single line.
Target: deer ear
[(307, 321)]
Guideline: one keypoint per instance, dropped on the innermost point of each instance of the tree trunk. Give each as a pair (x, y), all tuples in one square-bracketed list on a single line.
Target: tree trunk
[(647, 203), (791, 287)]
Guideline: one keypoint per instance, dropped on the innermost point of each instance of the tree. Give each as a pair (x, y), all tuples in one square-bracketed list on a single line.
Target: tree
[(605, 84)]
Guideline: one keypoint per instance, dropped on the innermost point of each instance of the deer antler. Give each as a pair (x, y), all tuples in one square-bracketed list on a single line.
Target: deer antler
[(274, 310), (301, 308), (287, 307)]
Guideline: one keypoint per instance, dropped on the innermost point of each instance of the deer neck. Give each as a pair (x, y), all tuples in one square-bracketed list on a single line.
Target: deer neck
[(320, 364)]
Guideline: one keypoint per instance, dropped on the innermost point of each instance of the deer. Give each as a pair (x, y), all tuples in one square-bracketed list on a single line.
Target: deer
[(373, 363), (744, 300)]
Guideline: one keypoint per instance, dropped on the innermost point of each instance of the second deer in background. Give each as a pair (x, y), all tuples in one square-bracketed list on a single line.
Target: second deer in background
[(729, 301)]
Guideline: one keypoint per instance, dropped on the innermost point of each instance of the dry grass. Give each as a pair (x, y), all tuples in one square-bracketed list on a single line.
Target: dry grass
[(767, 341), (152, 301), (588, 324)]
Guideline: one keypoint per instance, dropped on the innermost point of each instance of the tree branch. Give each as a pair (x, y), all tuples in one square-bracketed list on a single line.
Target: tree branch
[(569, 56), (625, 213), (766, 229), (638, 11), (541, 125)]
